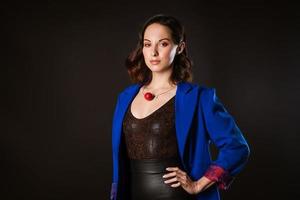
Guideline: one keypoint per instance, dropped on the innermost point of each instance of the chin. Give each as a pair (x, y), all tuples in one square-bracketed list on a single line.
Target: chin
[(157, 68)]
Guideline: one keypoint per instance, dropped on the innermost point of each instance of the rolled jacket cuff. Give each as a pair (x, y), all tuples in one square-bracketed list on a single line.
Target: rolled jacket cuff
[(222, 177), (113, 191)]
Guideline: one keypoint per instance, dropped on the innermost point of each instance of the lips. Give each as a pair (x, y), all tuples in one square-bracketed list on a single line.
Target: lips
[(154, 62)]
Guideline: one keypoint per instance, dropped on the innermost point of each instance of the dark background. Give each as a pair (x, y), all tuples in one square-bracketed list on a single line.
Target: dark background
[(62, 67)]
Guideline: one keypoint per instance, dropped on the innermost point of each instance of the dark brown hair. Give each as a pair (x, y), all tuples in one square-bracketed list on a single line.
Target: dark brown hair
[(182, 65)]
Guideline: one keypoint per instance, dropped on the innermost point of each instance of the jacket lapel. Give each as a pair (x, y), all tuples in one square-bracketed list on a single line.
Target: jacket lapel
[(185, 103)]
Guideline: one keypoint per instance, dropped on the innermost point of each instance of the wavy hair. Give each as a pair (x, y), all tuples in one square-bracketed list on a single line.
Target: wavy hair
[(182, 65)]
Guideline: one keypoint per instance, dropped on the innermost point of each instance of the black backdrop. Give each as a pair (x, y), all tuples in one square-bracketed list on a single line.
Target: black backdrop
[(62, 67)]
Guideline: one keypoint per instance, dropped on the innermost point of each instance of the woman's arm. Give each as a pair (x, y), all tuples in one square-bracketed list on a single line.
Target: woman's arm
[(223, 131)]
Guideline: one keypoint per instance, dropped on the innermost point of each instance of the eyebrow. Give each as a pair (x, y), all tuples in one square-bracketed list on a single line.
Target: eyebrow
[(160, 39)]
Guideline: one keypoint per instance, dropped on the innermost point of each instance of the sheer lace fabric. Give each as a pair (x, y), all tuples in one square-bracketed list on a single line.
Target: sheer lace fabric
[(151, 137)]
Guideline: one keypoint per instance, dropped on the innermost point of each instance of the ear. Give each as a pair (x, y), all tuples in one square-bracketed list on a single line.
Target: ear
[(180, 47)]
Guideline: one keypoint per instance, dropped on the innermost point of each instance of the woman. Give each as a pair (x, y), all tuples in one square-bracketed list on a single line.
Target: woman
[(163, 125)]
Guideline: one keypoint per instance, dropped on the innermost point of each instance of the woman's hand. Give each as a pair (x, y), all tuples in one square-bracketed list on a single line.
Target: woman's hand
[(183, 180)]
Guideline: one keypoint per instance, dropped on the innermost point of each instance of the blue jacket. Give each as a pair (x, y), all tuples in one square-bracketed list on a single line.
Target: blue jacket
[(200, 118)]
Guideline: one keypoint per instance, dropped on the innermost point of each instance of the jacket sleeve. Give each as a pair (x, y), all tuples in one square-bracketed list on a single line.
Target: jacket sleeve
[(227, 137), (114, 186)]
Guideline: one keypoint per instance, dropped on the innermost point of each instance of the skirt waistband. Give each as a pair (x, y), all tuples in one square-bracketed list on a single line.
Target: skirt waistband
[(154, 165)]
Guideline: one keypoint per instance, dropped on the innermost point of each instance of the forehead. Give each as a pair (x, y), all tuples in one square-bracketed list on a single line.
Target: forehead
[(157, 31)]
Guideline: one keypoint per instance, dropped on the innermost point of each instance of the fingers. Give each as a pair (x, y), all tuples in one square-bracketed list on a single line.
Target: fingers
[(172, 168), (169, 175), (180, 176), (171, 180), (176, 170), (182, 179), (176, 184)]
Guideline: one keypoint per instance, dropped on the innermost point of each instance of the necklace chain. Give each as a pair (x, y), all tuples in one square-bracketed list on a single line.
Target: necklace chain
[(156, 96)]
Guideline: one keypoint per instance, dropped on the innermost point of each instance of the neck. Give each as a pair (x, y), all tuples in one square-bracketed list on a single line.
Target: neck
[(161, 80)]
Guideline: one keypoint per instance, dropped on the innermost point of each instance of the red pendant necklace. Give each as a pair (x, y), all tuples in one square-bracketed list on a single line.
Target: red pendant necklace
[(150, 96)]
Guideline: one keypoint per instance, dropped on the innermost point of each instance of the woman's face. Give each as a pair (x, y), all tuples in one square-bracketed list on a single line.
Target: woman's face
[(158, 48)]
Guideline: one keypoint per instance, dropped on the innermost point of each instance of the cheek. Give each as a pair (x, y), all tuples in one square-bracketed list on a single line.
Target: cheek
[(145, 53), (170, 53), (173, 53)]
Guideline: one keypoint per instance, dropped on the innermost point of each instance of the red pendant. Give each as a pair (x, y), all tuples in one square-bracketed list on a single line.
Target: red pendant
[(149, 96)]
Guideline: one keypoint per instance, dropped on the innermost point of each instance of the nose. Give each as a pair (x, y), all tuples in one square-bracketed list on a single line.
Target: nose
[(154, 54), (154, 51)]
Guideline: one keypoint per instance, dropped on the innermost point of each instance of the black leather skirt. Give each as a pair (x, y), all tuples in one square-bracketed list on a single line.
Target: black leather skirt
[(147, 182)]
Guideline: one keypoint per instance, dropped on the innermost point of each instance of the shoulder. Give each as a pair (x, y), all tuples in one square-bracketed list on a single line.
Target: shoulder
[(203, 89), (128, 88), (205, 93)]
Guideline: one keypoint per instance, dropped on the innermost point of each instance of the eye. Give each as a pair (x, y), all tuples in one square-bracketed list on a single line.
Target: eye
[(146, 45), (164, 44)]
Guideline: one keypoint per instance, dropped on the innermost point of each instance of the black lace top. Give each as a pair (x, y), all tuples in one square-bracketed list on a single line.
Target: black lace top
[(152, 137)]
